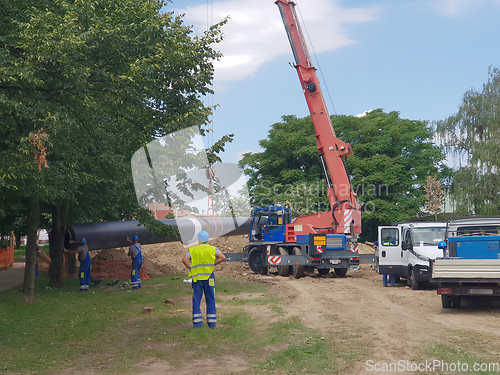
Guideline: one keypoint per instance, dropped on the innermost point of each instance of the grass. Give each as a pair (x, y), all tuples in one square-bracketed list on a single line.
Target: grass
[(104, 330), (464, 348), (18, 253)]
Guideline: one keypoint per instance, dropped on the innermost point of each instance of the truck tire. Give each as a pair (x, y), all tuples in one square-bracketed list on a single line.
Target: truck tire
[(256, 260), (446, 301), (283, 270), (341, 272), (298, 271), (412, 280), (323, 271), (456, 302)]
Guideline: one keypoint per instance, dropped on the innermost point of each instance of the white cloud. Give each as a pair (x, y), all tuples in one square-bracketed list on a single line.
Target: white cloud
[(255, 33), (364, 113), (451, 8)]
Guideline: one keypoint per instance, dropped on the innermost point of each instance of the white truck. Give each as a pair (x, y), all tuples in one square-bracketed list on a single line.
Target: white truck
[(470, 261), (405, 250)]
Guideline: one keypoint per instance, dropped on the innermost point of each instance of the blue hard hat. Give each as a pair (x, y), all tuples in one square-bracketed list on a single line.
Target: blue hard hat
[(442, 245), (83, 241), (135, 238), (203, 236)]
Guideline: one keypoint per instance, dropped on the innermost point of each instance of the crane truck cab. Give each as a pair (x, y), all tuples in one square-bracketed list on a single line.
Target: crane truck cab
[(269, 223), (405, 250)]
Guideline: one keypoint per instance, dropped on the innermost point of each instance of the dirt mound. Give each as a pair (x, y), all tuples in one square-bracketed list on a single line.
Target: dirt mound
[(109, 254), (156, 262), (365, 249), (114, 269), (165, 258)]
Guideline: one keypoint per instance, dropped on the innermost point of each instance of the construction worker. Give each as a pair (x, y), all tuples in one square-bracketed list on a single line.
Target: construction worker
[(84, 258), (201, 260), (392, 278), (134, 251)]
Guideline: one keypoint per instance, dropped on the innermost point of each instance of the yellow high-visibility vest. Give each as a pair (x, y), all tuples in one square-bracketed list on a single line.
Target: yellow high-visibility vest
[(202, 261)]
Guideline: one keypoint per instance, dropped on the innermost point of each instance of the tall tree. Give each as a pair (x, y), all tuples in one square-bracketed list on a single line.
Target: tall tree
[(99, 79), (392, 158), (472, 135), (433, 195)]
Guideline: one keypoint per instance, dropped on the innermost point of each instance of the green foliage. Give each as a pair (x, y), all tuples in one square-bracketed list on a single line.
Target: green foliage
[(146, 218), (100, 79), (392, 158), (472, 135), (288, 169)]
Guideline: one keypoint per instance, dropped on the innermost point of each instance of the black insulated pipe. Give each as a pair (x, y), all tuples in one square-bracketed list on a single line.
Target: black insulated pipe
[(111, 234)]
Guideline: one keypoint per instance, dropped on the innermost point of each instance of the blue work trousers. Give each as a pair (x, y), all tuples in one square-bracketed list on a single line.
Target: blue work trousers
[(135, 277), (207, 287), (392, 279), (85, 274)]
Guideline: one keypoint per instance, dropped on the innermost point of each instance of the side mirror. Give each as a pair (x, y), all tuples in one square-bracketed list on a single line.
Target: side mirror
[(404, 245)]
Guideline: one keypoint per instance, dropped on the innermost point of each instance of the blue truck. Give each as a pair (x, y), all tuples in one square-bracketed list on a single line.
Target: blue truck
[(470, 265)]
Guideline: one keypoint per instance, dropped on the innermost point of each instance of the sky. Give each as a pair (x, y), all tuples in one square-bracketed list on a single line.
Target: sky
[(417, 57)]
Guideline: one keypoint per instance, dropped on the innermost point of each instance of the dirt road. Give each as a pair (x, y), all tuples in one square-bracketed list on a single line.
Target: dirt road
[(398, 323)]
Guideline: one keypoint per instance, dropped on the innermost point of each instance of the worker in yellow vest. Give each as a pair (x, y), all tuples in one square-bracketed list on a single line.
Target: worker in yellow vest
[(201, 260)]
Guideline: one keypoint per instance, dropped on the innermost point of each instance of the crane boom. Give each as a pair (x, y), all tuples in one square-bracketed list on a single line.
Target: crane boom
[(346, 212)]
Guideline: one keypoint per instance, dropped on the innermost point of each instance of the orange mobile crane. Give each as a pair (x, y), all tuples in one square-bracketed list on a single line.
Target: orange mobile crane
[(323, 240), (345, 215)]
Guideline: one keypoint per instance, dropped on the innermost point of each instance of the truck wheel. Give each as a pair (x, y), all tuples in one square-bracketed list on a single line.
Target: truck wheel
[(283, 270), (446, 301), (412, 280), (256, 260), (323, 271), (341, 272), (298, 271), (456, 302)]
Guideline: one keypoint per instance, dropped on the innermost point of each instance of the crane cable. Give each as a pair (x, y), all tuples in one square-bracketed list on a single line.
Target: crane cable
[(210, 97), (315, 57)]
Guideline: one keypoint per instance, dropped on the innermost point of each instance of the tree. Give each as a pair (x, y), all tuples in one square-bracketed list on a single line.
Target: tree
[(99, 79), (392, 157), (433, 195), (472, 135), (288, 169)]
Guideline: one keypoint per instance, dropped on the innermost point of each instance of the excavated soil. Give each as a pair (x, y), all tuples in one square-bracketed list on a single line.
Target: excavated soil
[(161, 259)]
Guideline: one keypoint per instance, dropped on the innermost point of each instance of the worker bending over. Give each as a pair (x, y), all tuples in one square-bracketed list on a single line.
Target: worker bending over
[(201, 261)]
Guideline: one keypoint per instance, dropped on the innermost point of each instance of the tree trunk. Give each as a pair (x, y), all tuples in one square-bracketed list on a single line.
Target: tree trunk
[(18, 240), (29, 269), (56, 245)]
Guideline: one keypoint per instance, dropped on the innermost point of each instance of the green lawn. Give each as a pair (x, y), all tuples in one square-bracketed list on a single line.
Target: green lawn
[(20, 252)]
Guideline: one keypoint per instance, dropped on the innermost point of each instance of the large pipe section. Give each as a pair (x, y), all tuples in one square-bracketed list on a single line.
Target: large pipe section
[(111, 234)]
